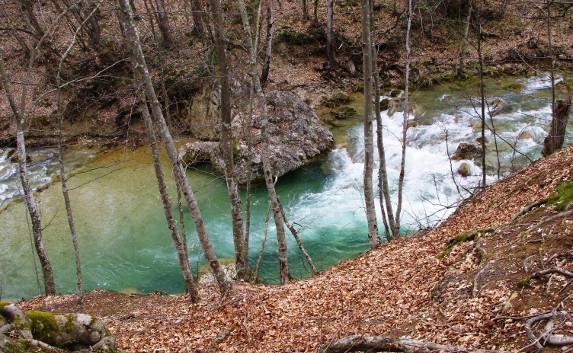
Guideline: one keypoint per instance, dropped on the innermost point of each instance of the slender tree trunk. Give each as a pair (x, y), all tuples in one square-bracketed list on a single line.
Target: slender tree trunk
[(551, 56), (63, 180), (227, 143), (252, 40), (197, 14), (383, 186), (269, 44), (368, 140), (330, 47), (150, 11), (19, 118), (163, 23), (273, 198), (171, 224), (305, 10), (315, 11), (464, 44), (482, 97), (140, 66), (396, 231), (27, 7)]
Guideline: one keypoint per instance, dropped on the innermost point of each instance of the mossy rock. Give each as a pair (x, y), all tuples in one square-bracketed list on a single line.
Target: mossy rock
[(336, 99), (3, 303), (44, 326), (344, 113), (18, 346), (563, 197)]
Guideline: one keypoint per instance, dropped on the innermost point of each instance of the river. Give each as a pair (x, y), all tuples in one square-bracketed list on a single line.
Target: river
[(124, 240)]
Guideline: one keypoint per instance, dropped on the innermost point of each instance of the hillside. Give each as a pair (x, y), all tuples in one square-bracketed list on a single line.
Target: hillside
[(472, 281)]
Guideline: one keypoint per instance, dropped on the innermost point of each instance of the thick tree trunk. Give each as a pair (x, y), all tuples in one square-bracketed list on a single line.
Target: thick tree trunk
[(181, 178), (273, 198), (330, 47), (368, 140), (163, 23), (554, 141), (226, 144), (269, 44), (171, 224), (197, 14), (396, 230), (19, 118)]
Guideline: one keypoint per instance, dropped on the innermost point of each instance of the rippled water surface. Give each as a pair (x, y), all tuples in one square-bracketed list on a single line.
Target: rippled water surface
[(124, 239)]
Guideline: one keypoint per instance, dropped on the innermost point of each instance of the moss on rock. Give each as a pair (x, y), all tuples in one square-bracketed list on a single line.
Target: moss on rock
[(562, 197), (44, 326)]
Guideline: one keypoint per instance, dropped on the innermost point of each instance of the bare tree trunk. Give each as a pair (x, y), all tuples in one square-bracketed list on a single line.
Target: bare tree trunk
[(396, 231), (305, 10), (141, 66), (330, 35), (253, 41), (269, 44), (19, 118), (227, 143), (368, 140), (315, 11), (273, 198), (197, 14), (175, 236), (383, 187), (27, 7), (464, 44), (163, 23), (482, 97), (63, 180), (554, 141), (551, 57), (150, 16)]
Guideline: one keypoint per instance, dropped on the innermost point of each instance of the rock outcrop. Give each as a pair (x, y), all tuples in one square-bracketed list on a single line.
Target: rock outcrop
[(295, 137)]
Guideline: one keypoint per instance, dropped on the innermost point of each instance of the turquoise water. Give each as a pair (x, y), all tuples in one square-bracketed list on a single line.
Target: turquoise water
[(124, 239)]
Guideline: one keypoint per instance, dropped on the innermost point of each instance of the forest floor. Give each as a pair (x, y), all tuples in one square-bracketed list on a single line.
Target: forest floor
[(469, 282)]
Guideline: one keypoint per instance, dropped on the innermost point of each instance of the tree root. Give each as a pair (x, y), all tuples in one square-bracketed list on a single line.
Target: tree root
[(547, 338), (528, 208), (381, 343), (552, 270)]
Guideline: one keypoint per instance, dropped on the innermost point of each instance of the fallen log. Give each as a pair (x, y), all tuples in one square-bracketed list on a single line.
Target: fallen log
[(387, 344)]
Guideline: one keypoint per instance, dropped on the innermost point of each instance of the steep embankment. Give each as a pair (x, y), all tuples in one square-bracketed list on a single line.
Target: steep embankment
[(450, 285)]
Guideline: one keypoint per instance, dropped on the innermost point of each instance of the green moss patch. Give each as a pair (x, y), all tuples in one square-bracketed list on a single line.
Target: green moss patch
[(563, 197), (44, 326), (462, 238), (3, 304), (18, 346)]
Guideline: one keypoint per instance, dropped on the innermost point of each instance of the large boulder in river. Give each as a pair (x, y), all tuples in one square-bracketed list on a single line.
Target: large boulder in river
[(295, 137), (469, 151)]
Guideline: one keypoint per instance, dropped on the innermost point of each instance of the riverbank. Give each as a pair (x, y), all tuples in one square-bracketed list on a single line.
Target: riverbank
[(476, 291)]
